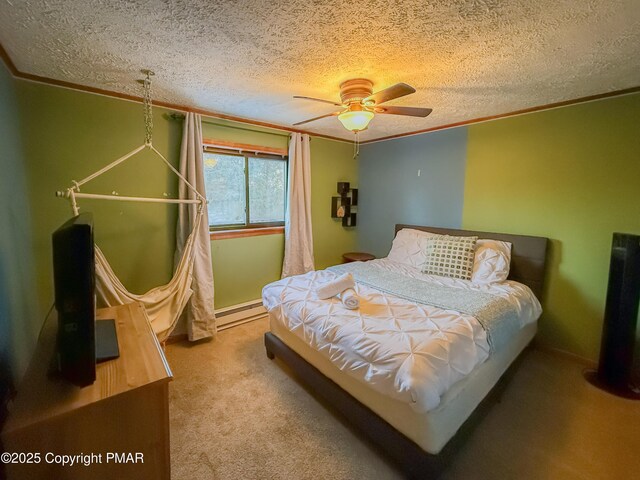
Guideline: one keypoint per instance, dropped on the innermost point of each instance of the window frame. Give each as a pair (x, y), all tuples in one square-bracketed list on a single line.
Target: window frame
[(247, 155)]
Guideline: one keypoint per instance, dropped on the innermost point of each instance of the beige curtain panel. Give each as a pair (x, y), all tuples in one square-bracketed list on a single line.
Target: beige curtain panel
[(298, 235), (199, 312)]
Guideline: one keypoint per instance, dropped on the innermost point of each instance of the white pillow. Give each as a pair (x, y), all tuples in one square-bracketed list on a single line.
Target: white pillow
[(410, 247), (491, 261), (449, 256)]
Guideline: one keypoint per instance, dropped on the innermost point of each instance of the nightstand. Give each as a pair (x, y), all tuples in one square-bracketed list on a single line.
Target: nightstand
[(357, 257)]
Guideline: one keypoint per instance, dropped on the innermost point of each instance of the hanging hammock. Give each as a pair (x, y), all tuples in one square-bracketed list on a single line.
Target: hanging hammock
[(165, 303)]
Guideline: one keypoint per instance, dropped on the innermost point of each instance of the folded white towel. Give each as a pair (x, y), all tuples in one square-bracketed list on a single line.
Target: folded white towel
[(335, 286), (350, 299)]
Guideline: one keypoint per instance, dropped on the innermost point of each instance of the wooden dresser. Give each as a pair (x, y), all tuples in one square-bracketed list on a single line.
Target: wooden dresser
[(126, 411)]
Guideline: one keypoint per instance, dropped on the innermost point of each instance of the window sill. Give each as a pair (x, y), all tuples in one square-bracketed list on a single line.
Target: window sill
[(245, 232)]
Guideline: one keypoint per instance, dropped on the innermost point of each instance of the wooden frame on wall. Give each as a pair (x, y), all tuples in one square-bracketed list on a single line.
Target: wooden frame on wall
[(253, 229)]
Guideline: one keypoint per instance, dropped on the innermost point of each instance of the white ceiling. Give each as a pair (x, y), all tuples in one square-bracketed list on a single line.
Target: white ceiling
[(466, 59)]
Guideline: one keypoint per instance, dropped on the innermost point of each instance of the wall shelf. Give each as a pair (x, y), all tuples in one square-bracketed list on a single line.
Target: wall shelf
[(344, 206)]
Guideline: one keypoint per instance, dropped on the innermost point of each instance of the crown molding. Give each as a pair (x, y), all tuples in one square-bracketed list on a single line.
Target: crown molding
[(208, 113), (8, 62), (524, 111), (172, 106)]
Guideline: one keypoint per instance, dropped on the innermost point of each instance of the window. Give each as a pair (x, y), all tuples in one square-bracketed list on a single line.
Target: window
[(244, 191)]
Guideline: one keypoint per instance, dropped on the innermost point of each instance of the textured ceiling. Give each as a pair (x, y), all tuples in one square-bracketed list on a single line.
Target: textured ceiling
[(466, 59)]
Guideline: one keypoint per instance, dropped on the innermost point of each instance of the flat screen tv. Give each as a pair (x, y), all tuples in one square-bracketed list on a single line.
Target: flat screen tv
[(79, 336), (74, 284)]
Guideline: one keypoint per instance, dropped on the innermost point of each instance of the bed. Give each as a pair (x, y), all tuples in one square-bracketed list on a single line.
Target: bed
[(414, 377)]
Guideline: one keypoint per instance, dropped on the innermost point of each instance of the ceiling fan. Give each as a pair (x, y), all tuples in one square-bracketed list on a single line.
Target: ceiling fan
[(360, 104)]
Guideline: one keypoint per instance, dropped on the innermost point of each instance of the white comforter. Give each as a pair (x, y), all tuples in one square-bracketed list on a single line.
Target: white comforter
[(409, 351)]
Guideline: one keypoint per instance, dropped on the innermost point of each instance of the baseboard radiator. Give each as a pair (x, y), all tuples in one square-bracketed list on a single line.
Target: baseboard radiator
[(228, 317)]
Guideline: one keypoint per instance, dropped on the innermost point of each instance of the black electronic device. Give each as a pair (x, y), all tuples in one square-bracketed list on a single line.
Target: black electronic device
[(619, 345), (106, 340), (74, 284)]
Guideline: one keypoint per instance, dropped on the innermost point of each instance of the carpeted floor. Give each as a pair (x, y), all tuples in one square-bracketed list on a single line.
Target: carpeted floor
[(237, 415)]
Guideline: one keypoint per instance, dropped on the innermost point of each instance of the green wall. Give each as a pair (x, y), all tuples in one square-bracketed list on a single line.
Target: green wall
[(19, 312), (571, 174), (70, 134), (331, 162), (242, 266)]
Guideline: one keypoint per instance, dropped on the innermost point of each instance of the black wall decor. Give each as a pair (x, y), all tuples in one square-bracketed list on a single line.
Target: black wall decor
[(343, 188), (344, 206)]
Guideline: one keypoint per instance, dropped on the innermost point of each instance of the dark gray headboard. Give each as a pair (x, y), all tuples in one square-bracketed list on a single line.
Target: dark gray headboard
[(528, 254)]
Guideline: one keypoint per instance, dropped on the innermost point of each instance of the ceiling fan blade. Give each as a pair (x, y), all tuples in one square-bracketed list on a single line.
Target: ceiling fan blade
[(317, 118), (319, 100), (410, 111), (394, 91)]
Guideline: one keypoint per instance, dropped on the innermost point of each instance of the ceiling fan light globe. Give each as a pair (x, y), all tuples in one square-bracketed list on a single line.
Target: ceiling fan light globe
[(355, 121)]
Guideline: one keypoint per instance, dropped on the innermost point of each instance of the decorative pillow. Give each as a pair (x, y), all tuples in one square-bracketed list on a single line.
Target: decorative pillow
[(409, 247), (450, 256), (491, 262)]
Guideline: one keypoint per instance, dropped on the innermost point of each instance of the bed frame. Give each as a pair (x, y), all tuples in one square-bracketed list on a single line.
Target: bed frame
[(528, 260)]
